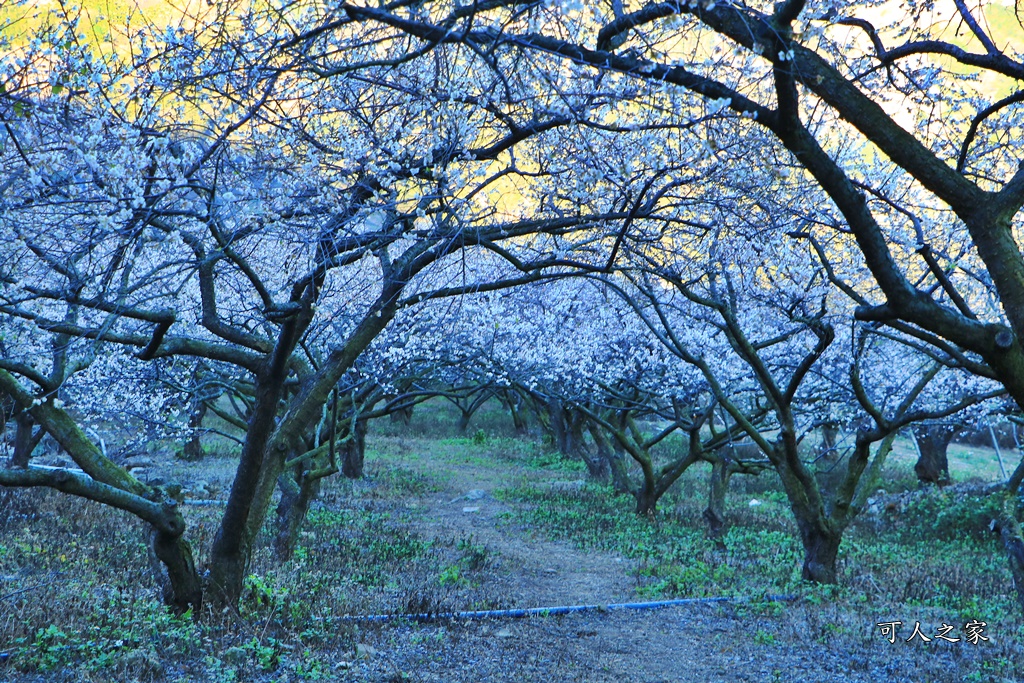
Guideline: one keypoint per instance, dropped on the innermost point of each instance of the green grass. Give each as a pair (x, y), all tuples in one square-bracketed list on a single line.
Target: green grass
[(102, 616), (359, 552), (941, 561), (966, 463), (673, 556)]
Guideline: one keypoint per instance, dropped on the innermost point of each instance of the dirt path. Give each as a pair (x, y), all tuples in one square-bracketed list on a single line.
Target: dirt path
[(691, 643), (535, 572)]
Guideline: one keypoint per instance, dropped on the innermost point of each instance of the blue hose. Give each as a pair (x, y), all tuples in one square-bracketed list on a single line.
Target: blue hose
[(551, 611)]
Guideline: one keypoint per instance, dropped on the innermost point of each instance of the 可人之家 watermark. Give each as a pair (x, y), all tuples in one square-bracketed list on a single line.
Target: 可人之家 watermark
[(973, 632)]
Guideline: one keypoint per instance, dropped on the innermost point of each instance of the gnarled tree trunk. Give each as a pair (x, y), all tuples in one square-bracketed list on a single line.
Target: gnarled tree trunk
[(469, 408), (193, 449), (576, 443), (231, 551), (182, 587), (106, 482), (556, 425), (267, 446), (615, 456), (518, 419), (647, 499), (821, 549), (353, 452), (297, 492), (932, 466)]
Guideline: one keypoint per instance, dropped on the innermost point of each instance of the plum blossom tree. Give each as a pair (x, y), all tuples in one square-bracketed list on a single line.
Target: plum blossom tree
[(263, 191), (822, 84), (594, 370), (770, 335), (903, 129), (260, 193)]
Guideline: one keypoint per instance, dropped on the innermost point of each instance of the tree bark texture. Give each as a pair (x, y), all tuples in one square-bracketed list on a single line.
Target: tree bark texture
[(932, 467), (353, 452), (193, 449), (296, 496), (821, 549), (182, 589)]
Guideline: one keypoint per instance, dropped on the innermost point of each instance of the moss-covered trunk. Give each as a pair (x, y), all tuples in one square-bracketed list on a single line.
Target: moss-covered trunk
[(182, 587), (647, 499), (229, 556), (106, 482)]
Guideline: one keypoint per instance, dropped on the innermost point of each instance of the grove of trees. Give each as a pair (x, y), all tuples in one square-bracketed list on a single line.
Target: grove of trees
[(764, 237)]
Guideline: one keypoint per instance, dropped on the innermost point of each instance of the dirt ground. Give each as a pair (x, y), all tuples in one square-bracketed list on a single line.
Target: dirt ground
[(703, 642), (696, 642)]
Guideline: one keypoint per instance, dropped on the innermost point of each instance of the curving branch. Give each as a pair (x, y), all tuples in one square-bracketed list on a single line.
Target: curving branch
[(163, 516), (978, 119)]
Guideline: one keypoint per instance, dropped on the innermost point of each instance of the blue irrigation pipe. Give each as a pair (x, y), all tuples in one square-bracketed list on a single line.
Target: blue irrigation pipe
[(552, 611)]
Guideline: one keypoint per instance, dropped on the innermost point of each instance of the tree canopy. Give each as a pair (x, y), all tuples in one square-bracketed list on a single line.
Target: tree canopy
[(720, 217)]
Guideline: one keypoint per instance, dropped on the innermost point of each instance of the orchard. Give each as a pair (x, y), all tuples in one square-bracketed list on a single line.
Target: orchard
[(330, 332)]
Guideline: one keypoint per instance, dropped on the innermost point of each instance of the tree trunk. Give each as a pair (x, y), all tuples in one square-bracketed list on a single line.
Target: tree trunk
[(230, 554), (402, 416), (614, 457), (576, 422), (267, 444), (24, 441), (932, 466), (182, 587), (296, 497), (518, 421), (1008, 528), (193, 449), (646, 494), (542, 416), (597, 467), (469, 409), (718, 487), (567, 426), (647, 500), (465, 416), (828, 454), (558, 429), (619, 470), (821, 548), (108, 483), (354, 451)]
